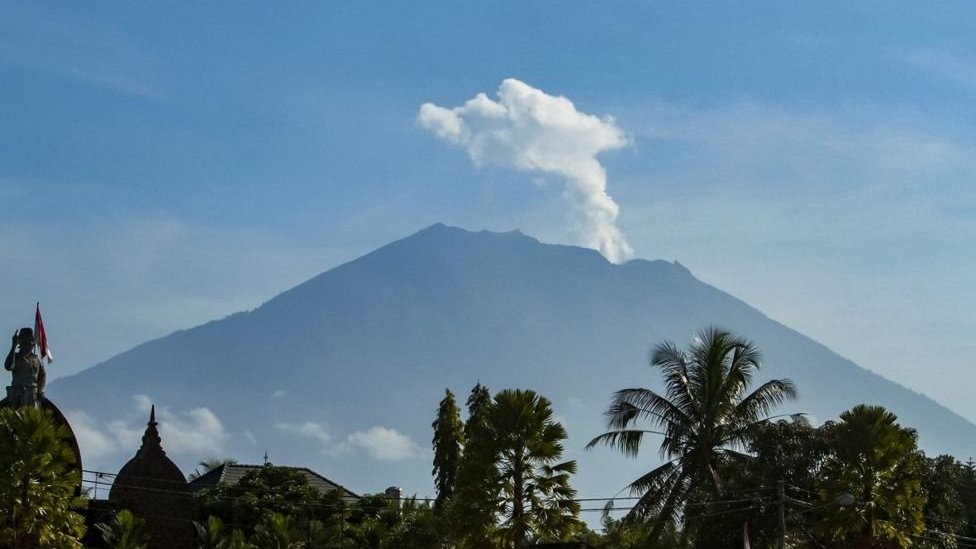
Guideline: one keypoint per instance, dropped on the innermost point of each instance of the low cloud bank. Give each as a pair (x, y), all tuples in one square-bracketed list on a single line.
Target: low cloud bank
[(190, 433), (377, 442)]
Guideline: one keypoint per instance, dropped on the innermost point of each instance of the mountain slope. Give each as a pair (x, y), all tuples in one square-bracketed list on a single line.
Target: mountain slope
[(337, 372)]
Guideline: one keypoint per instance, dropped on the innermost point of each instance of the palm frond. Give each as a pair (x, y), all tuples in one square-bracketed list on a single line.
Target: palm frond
[(627, 441), (677, 375), (629, 405), (669, 511), (702, 414), (742, 364), (765, 398)]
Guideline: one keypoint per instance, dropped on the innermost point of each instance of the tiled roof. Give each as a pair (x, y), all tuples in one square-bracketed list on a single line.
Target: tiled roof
[(231, 473)]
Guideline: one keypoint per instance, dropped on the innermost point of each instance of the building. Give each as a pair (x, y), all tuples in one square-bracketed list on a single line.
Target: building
[(154, 489), (229, 474)]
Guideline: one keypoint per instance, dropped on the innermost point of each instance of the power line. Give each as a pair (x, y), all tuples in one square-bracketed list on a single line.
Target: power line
[(341, 504)]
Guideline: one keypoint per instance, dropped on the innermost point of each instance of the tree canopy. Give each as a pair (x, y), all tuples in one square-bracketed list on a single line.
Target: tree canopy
[(704, 417), (877, 461), (39, 501), (448, 441)]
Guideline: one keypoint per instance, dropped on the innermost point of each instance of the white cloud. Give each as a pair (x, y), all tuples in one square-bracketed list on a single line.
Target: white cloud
[(379, 443), (384, 444), (127, 434), (142, 403), (93, 441), (529, 130), (193, 433), (308, 429), (279, 394)]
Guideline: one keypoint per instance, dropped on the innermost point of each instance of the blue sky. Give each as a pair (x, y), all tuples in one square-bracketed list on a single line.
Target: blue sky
[(162, 166)]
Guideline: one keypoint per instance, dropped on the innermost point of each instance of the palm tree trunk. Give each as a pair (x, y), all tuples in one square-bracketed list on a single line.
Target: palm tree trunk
[(518, 509), (867, 532)]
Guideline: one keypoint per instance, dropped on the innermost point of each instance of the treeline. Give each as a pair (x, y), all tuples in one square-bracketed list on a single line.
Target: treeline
[(724, 471), (729, 472), (275, 507)]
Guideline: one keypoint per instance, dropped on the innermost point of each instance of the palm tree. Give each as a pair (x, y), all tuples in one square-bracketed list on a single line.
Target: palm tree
[(535, 497), (206, 465), (212, 535), (277, 531), (417, 527), (38, 498), (237, 540), (878, 461), (125, 531), (704, 415)]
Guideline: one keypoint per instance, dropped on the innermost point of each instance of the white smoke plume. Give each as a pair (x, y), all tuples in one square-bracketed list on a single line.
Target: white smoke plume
[(528, 129)]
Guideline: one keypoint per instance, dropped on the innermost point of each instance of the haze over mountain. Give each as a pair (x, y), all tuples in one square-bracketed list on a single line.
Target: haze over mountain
[(343, 373)]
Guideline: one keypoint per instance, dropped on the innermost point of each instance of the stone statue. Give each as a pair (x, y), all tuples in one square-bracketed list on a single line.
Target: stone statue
[(27, 387)]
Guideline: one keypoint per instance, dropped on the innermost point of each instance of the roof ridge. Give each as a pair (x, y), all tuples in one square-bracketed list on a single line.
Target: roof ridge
[(221, 474)]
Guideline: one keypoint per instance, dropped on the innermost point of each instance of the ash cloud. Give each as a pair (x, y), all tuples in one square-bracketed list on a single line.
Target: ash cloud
[(527, 129)]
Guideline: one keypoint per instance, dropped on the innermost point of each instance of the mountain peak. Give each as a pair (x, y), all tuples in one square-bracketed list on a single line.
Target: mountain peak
[(516, 248), (442, 230), (366, 349)]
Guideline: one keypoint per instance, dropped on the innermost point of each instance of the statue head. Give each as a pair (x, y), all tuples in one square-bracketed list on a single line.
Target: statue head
[(25, 338)]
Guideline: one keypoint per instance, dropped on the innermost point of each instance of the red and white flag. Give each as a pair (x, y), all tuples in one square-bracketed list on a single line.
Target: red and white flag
[(40, 336), (745, 536)]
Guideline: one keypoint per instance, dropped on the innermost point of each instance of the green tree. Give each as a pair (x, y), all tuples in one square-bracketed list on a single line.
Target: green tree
[(264, 491), (277, 531), (789, 451), (212, 535), (448, 442), (471, 514), (326, 526), (418, 527), (623, 534), (534, 495), (371, 521), (512, 486), (792, 451), (237, 540), (215, 535), (876, 460), (704, 415), (967, 491), (124, 531), (945, 509), (39, 505)]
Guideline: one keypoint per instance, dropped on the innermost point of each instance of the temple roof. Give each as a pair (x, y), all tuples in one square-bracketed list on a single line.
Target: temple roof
[(150, 466), (230, 474), (154, 489)]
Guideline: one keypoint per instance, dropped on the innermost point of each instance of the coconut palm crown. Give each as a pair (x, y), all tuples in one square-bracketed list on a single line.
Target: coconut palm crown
[(704, 415)]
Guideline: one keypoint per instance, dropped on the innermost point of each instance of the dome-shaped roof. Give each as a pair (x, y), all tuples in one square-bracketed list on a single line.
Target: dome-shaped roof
[(153, 488), (150, 466)]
